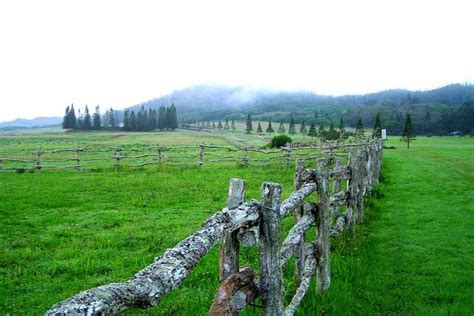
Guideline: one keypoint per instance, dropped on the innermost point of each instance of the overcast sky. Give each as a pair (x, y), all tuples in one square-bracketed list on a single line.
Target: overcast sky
[(119, 53)]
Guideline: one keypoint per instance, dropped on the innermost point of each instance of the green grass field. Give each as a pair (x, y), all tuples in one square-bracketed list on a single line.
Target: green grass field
[(64, 231)]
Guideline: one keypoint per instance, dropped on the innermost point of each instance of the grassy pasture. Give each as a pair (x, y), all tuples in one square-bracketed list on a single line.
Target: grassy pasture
[(98, 148), (64, 231)]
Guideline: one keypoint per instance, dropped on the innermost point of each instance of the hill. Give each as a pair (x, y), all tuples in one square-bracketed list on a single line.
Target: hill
[(437, 111), (36, 122), (212, 98)]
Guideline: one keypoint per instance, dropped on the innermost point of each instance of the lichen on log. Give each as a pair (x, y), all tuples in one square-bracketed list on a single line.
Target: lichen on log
[(296, 234), (271, 282), (147, 287), (296, 198), (308, 271)]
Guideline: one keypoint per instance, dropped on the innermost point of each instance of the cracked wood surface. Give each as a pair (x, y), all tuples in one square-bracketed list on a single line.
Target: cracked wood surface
[(147, 287)]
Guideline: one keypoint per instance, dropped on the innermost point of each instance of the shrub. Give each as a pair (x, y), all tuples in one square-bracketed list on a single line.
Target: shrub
[(280, 141)]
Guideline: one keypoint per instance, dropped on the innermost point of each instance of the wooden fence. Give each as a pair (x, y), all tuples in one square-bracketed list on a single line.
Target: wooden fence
[(255, 223), (126, 156)]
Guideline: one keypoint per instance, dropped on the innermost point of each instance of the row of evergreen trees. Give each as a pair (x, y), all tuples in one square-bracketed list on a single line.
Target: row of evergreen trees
[(144, 121), (330, 134), (165, 119), (213, 125), (86, 121)]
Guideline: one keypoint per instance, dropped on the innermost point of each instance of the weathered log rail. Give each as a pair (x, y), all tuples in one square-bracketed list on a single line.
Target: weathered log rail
[(254, 223), (81, 159)]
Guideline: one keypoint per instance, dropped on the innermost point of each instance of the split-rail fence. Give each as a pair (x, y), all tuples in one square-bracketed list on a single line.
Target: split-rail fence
[(250, 223), (80, 158)]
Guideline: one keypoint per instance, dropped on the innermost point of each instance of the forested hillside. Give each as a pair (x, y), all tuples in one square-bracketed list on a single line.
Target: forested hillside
[(438, 111)]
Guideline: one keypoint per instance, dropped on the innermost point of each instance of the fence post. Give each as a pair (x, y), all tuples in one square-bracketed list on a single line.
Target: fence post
[(287, 154), (78, 160), (245, 158), (159, 157), (201, 154), (368, 165), (271, 280), (361, 182), (229, 254), (336, 184), (300, 166), (351, 210), (322, 219), (37, 165), (117, 156)]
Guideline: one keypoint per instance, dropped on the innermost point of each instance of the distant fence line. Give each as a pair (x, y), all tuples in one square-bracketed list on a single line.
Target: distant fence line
[(255, 223), (197, 155)]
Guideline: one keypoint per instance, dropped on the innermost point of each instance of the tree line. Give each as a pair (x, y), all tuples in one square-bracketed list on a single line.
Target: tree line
[(144, 120), (150, 120), (334, 133), (427, 119)]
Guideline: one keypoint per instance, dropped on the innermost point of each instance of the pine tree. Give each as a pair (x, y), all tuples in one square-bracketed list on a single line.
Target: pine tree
[(80, 119), (96, 123), (126, 125), (167, 117), (226, 124), (269, 128), (359, 131), (112, 121), (144, 122), (219, 125), (281, 128), (151, 119), (312, 131), (408, 135), (116, 119), (292, 128), (213, 124), (248, 124), (132, 121), (106, 119), (161, 118), (173, 118), (72, 121), (142, 119), (87, 120), (259, 128), (232, 125), (377, 131), (303, 128), (139, 120), (66, 119)]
